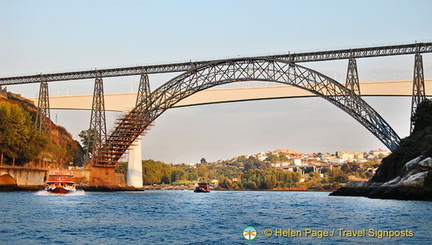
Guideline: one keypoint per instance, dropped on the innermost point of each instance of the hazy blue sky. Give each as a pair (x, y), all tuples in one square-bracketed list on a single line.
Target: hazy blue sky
[(51, 36)]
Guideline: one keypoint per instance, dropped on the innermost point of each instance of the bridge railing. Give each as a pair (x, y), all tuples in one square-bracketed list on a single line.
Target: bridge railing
[(181, 67)]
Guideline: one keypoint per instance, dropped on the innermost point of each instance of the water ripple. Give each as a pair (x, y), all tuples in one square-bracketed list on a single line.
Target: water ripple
[(184, 217)]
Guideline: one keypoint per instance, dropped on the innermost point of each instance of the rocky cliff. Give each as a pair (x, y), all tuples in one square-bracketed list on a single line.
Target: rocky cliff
[(407, 172), (414, 183)]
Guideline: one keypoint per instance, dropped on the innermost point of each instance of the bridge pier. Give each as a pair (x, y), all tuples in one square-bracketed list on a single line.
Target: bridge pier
[(97, 128), (43, 120), (352, 80), (418, 94), (134, 174)]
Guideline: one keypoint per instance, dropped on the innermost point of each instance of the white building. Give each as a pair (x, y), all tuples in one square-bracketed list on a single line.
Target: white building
[(350, 156), (297, 161), (337, 160)]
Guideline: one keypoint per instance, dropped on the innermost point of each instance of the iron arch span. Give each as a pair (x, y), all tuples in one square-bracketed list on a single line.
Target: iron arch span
[(240, 70)]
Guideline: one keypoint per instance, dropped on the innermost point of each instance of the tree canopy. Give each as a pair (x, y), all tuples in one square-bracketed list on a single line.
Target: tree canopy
[(19, 141)]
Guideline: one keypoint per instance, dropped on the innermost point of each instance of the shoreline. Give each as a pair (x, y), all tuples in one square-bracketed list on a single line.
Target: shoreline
[(174, 187), (14, 188), (382, 191)]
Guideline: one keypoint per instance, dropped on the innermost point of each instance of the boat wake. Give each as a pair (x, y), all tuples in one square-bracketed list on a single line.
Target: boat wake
[(72, 193)]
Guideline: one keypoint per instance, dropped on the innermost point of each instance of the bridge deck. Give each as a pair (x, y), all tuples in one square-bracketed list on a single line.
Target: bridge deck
[(126, 101)]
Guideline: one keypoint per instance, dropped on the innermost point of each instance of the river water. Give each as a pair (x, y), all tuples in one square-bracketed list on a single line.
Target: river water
[(219, 217)]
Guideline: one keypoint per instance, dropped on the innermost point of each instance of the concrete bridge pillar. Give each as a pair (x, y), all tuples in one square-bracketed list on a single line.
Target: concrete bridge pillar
[(134, 174)]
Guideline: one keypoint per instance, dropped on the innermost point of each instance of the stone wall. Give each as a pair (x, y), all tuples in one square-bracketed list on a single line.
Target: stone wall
[(25, 177), (103, 176), (121, 180)]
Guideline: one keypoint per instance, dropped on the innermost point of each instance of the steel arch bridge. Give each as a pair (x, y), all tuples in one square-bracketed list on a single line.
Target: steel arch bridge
[(239, 70)]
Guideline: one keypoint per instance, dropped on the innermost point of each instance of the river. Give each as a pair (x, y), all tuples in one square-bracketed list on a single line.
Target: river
[(219, 217)]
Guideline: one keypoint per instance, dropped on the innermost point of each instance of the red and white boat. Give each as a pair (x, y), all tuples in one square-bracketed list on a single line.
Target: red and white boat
[(202, 187), (60, 183)]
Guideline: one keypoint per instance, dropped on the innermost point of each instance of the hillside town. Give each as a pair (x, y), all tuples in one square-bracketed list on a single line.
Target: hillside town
[(289, 157), (281, 169), (305, 163)]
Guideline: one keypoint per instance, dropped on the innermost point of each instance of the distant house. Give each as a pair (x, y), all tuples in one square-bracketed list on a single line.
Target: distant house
[(337, 160), (350, 155), (261, 156), (326, 157), (297, 161), (214, 183), (379, 153)]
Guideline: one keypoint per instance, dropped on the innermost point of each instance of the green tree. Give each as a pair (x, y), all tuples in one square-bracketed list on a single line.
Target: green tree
[(314, 176), (283, 157), (254, 176), (156, 172), (87, 139), (270, 181), (226, 183), (254, 163), (202, 171), (336, 175), (423, 116), (178, 174), (273, 158), (192, 176), (19, 141)]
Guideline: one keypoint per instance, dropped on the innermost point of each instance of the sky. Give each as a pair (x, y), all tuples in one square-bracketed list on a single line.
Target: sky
[(55, 36)]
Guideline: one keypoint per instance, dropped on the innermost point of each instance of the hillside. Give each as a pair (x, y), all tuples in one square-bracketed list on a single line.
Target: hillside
[(407, 172), (59, 148)]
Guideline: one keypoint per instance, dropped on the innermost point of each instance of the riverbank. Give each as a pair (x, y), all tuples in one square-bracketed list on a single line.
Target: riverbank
[(406, 174), (177, 187), (382, 191), (13, 188), (414, 183)]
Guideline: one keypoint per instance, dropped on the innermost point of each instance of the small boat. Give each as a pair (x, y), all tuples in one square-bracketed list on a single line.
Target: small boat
[(60, 183), (202, 187)]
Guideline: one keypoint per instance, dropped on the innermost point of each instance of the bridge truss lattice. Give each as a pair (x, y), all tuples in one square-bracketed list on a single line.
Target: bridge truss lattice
[(341, 54), (240, 70), (216, 72)]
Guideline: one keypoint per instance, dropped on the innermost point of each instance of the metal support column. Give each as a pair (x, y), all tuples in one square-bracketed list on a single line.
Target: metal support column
[(97, 130), (143, 94), (352, 80), (134, 173), (418, 94), (43, 119)]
